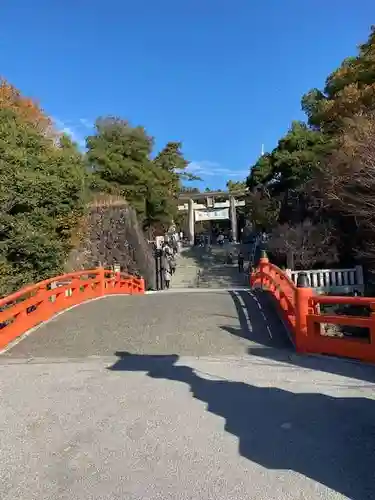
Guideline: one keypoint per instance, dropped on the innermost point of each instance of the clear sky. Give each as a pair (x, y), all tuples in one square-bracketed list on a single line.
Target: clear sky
[(222, 76)]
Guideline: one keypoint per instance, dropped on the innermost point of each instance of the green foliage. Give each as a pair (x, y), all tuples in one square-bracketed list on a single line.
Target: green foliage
[(236, 185), (349, 89), (42, 194), (189, 189), (46, 183), (119, 156), (293, 162), (317, 167)]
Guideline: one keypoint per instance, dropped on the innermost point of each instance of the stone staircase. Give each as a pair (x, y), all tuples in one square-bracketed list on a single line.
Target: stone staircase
[(187, 270), (198, 269), (221, 276)]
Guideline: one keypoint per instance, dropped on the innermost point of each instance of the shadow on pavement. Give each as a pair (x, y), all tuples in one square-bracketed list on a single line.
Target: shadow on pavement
[(328, 364), (278, 346), (258, 322), (330, 440)]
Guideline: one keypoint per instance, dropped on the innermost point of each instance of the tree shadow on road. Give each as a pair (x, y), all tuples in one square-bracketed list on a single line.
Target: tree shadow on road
[(330, 440)]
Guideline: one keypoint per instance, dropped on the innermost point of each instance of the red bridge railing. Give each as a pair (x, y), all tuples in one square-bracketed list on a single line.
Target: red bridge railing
[(34, 304), (300, 308)]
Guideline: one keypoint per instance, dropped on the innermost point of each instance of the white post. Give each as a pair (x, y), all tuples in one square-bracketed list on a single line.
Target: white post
[(53, 286), (191, 221), (359, 279), (233, 217)]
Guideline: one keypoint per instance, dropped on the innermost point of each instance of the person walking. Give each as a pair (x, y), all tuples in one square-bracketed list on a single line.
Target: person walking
[(167, 251), (172, 265), (240, 260), (167, 277)]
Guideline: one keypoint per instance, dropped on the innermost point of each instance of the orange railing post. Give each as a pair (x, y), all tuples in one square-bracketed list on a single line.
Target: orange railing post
[(101, 276), (263, 264), (372, 324), (300, 309), (303, 294), (36, 303)]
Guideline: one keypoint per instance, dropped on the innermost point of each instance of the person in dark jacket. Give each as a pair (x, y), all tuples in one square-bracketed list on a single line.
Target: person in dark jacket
[(240, 260)]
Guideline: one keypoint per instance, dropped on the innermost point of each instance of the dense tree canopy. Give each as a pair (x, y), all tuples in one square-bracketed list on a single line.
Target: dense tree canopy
[(320, 177), (235, 185), (25, 108), (314, 192), (46, 184), (120, 159), (42, 194)]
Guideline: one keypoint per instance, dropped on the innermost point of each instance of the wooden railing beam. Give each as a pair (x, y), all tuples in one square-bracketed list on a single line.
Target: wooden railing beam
[(35, 304), (300, 308)]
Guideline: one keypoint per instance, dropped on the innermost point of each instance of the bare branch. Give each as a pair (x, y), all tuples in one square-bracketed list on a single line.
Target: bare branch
[(309, 244)]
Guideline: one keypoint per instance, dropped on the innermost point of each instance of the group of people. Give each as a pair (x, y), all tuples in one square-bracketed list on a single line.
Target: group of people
[(216, 236)]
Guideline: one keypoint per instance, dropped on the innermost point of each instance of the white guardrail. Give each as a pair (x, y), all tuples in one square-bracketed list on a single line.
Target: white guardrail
[(333, 280)]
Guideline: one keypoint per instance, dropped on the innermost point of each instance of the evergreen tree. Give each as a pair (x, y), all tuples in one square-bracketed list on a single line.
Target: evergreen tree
[(42, 193)]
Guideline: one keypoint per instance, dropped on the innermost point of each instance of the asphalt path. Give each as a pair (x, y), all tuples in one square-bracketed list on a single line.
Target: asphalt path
[(181, 395)]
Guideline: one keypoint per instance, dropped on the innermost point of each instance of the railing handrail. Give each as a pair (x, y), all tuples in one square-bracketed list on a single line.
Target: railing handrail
[(330, 270), (68, 276), (279, 271), (306, 321), (30, 288), (37, 303), (282, 273), (334, 277), (341, 299)]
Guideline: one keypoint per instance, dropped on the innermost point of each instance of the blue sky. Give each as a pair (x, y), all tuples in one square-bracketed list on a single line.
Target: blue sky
[(222, 76)]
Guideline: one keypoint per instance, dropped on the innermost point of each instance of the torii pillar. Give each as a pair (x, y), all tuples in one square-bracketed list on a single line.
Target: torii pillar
[(233, 217), (191, 221)]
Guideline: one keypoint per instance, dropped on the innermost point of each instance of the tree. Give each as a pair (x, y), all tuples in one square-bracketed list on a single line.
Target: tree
[(349, 181), (170, 168), (293, 162), (284, 174), (320, 173), (188, 190), (172, 160), (259, 172), (120, 160), (349, 90), (236, 185), (27, 109), (262, 209), (304, 245), (42, 194), (119, 156)]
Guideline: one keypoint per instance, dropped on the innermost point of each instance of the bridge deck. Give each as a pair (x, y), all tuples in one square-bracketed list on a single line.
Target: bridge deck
[(197, 324), (245, 420)]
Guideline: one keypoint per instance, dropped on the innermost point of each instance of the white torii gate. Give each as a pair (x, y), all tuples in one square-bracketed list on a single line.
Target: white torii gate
[(210, 209)]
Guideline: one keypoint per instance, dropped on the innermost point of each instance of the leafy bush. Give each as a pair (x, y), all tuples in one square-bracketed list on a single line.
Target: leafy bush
[(42, 194)]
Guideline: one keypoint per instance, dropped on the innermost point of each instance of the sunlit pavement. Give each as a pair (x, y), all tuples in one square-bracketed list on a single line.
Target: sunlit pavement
[(118, 400)]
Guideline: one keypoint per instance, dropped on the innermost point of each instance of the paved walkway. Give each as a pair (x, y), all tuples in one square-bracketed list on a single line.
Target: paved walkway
[(193, 324), (181, 396)]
